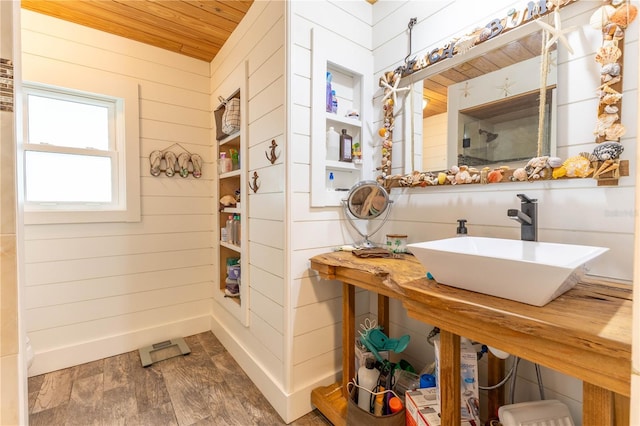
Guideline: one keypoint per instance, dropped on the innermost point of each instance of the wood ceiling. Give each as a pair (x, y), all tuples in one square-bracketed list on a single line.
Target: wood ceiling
[(193, 28), (435, 87)]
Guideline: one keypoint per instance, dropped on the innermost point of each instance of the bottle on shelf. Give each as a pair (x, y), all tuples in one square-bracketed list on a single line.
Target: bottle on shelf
[(357, 153), (236, 229), (229, 227), (329, 106), (235, 159), (224, 163), (346, 146), (331, 179), (334, 102), (333, 145)]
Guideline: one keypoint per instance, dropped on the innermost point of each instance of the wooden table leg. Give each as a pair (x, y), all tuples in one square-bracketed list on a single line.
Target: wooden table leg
[(449, 378), (348, 335), (597, 405), (383, 313)]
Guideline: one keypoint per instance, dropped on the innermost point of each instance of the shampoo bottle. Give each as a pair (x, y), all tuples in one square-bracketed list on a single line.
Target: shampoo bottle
[(346, 146), (334, 102), (329, 106), (367, 380), (333, 145)]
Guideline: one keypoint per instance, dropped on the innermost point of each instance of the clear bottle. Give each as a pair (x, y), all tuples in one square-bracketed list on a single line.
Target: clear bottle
[(331, 179), (367, 380), (333, 145), (236, 229), (334, 102), (346, 146), (229, 226), (224, 164)]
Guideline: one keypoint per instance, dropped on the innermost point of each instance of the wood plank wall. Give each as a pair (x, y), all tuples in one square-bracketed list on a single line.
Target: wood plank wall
[(315, 304), (94, 290), (259, 45), (575, 211)]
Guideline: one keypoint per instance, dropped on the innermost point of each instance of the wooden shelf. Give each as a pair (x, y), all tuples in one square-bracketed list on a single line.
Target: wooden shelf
[(355, 122), (330, 401)]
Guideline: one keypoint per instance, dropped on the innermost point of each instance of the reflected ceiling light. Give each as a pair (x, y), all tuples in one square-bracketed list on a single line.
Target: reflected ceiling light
[(425, 101)]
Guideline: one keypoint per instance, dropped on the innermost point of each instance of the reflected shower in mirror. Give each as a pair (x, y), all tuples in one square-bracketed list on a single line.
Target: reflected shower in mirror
[(486, 110)]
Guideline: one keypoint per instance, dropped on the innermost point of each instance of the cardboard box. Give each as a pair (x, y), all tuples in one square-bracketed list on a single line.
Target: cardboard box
[(422, 409), (469, 392), (420, 405)]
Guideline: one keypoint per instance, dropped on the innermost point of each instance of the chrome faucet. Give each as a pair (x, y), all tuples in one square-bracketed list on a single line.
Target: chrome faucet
[(527, 216)]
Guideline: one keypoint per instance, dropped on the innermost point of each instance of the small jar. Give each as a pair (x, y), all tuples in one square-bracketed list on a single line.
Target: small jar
[(397, 243)]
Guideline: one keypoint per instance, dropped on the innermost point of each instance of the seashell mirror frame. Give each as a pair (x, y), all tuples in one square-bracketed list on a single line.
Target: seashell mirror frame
[(603, 164)]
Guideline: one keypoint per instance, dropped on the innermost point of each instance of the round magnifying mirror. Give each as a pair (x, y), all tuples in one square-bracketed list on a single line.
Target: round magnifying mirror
[(367, 200)]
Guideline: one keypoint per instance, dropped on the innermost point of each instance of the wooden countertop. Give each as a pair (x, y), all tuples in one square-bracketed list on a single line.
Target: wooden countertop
[(585, 333), (381, 275)]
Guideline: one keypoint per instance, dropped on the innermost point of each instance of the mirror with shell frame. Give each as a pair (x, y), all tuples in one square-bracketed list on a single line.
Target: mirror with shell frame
[(485, 111), (464, 123)]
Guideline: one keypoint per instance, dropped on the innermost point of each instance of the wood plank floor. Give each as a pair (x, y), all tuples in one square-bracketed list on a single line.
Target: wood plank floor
[(206, 387)]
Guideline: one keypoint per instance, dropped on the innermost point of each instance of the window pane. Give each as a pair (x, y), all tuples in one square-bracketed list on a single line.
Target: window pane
[(63, 178), (65, 123)]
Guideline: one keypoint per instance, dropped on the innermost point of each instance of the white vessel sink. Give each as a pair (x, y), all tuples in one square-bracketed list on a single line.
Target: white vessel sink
[(525, 271)]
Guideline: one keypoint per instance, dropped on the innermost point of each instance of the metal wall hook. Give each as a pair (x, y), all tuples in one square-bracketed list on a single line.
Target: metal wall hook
[(272, 157), (254, 183)]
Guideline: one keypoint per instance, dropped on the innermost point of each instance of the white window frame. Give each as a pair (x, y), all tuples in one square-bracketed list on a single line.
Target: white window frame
[(125, 155)]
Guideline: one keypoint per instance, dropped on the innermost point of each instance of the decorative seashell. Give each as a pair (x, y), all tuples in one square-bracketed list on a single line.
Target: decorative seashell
[(463, 176), (484, 35), (464, 44), (520, 174), (601, 16), (611, 109), (494, 176), (608, 151), (454, 169), (577, 166), (559, 172), (608, 54), (589, 156), (554, 162), (228, 200), (604, 122), (624, 15), (610, 98), (538, 161), (615, 132), (609, 80), (612, 69), (612, 31)]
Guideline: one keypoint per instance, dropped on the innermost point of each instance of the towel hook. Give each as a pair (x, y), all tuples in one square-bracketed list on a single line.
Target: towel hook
[(272, 155), (254, 183)]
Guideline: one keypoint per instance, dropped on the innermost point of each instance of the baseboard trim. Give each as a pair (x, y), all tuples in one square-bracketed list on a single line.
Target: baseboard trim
[(290, 406), (83, 352)]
